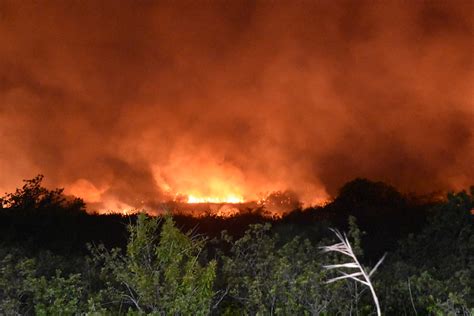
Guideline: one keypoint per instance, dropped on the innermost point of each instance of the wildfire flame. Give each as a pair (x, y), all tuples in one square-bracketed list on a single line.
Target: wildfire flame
[(231, 199)]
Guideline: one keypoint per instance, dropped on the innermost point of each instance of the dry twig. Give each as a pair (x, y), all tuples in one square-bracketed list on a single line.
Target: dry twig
[(360, 275)]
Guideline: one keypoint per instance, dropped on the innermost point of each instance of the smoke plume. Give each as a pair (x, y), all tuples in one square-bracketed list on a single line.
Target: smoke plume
[(131, 103)]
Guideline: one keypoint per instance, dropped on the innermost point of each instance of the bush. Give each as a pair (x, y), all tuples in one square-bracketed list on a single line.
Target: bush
[(160, 275)]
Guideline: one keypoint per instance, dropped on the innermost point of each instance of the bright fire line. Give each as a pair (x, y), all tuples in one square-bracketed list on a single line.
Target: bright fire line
[(234, 199)]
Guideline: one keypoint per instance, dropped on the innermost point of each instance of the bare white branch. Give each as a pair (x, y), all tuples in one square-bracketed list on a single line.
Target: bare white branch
[(342, 265), (346, 276), (344, 247), (377, 265)]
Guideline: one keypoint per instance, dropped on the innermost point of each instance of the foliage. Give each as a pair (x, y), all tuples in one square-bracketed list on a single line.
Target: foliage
[(263, 277), (266, 269), (33, 196), (161, 276), (22, 291), (14, 291), (58, 295), (433, 271)]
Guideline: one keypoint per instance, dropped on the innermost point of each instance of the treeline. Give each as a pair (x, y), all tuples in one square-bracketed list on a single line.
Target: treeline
[(57, 259)]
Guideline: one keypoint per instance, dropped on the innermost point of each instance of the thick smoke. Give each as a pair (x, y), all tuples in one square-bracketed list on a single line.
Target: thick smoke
[(132, 102)]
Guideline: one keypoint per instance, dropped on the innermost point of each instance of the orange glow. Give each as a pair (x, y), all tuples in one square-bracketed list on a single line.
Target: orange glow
[(85, 190), (229, 102), (233, 199), (200, 178), (227, 211)]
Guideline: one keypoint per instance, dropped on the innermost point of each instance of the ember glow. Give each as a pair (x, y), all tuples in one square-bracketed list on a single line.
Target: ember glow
[(133, 104), (213, 199)]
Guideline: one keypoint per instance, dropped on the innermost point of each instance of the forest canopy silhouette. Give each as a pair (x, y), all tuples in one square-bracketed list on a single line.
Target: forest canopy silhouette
[(56, 257)]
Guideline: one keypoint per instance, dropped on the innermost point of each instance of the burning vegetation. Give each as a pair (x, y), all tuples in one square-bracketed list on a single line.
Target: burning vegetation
[(206, 149), (132, 105), (52, 250)]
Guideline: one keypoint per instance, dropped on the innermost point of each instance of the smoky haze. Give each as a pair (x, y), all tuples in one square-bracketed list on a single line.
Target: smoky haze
[(130, 103)]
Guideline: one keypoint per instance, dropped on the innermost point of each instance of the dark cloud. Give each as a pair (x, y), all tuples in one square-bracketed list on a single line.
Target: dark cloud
[(136, 101)]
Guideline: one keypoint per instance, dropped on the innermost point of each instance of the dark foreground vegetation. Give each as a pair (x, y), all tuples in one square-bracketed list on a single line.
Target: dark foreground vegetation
[(57, 259)]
